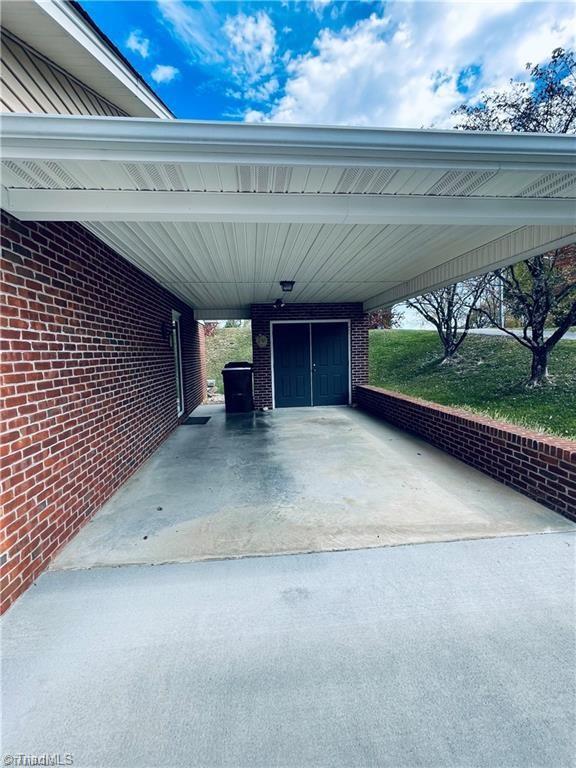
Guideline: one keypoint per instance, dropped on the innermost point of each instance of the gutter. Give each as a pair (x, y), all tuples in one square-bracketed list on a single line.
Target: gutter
[(64, 137)]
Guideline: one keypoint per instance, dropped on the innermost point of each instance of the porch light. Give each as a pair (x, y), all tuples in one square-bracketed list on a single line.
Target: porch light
[(167, 332), (286, 285), (279, 303)]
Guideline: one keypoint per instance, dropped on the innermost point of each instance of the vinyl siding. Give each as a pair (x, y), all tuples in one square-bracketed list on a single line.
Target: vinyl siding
[(31, 83)]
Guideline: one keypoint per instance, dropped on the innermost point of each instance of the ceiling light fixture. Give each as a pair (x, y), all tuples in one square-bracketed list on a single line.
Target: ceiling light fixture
[(286, 285)]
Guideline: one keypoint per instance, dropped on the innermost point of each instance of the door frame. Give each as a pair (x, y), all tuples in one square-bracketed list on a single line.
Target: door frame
[(310, 322), (178, 362)]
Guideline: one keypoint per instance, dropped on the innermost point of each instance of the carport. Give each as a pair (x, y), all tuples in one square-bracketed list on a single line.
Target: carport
[(447, 654), (224, 217), (351, 219)]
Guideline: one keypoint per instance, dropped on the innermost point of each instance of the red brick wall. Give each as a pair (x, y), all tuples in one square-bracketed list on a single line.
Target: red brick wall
[(88, 384), (537, 465), (262, 314)]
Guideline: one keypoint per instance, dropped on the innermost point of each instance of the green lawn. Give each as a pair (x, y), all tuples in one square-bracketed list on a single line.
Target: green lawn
[(489, 378), (225, 346)]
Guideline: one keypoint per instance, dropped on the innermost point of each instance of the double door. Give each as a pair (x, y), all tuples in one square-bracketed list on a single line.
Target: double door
[(311, 364)]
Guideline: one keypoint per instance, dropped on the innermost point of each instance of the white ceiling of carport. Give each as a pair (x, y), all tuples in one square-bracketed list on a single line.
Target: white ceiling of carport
[(235, 265)]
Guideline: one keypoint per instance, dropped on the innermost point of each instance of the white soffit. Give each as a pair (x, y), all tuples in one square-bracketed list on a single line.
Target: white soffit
[(219, 213), (234, 265), (61, 32)]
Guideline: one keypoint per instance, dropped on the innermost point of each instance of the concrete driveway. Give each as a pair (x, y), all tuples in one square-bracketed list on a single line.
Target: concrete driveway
[(292, 481), (449, 655)]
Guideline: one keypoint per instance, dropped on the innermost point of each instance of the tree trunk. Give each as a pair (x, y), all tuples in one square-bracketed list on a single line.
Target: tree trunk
[(450, 353), (539, 372)]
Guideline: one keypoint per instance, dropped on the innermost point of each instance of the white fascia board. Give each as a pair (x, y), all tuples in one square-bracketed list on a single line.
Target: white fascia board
[(283, 208), (58, 137), (57, 30), (508, 249)]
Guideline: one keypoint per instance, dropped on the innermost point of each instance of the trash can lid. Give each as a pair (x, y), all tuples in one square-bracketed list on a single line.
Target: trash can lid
[(228, 371), (241, 364)]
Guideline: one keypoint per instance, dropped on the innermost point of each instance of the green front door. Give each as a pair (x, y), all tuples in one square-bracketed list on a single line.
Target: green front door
[(330, 363), (311, 364), (292, 374)]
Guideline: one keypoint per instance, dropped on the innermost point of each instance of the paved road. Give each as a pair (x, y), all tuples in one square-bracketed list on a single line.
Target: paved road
[(568, 336), (436, 655)]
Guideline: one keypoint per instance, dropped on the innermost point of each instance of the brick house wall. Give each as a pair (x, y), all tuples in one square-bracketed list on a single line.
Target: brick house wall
[(539, 466), (88, 384), (263, 314)]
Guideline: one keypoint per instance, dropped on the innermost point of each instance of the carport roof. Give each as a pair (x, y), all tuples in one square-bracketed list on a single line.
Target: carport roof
[(220, 212)]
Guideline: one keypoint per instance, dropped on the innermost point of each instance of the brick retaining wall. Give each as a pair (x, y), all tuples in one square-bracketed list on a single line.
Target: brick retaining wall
[(88, 388), (540, 466)]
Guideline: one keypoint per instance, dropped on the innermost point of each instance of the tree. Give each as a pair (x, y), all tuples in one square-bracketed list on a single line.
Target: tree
[(450, 310), (545, 103), (566, 264), (535, 291), (490, 304), (385, 318), (210, 329), (538, 290)]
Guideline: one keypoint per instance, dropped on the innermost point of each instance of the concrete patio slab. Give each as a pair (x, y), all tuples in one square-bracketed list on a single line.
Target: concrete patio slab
[(296, 480), (454, 655)]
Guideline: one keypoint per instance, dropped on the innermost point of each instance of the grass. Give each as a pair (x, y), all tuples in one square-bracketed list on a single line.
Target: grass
[(225, 346), (489, 378)]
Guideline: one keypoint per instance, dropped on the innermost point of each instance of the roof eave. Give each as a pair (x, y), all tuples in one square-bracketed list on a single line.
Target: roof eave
[(133, 139), (60, 30)]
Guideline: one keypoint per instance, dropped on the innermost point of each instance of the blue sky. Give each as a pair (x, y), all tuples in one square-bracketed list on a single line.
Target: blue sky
[(399, 63)]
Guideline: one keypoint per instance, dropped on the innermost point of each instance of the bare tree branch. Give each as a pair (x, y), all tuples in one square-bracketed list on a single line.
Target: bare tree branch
[(568, 320)]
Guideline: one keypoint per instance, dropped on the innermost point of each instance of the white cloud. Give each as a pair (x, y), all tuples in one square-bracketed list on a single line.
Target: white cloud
[(254, 116), (198, 28), (164, 73), (138, 43), (251, 46), (404, 67), (244, 43), (263, 91), (318, 6), (336, 6)]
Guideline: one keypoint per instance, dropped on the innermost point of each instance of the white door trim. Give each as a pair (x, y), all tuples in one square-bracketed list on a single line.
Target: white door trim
[(178, 364), (302, 322)]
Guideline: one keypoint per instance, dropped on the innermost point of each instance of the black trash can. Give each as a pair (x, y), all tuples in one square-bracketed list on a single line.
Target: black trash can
[(238, 395)]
